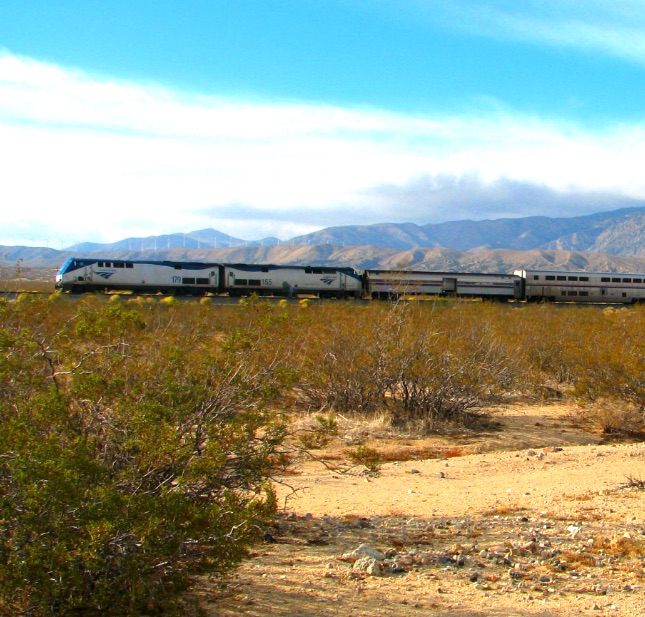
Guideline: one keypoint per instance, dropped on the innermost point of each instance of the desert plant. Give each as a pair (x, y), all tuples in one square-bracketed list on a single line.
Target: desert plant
[(366, 456), (133, 455), (338, 367), (319, 433)]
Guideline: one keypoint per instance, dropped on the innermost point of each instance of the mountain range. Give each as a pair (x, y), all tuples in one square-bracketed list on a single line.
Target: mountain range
[(604, 241), (621, 232)]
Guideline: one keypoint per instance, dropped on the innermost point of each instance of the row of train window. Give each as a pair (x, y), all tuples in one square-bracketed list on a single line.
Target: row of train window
[(560, 277), (573, 292), (192, 281), (604, 279), (114, 264)]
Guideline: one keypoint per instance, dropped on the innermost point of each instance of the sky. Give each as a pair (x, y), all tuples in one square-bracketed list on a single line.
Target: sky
[(133, 118)]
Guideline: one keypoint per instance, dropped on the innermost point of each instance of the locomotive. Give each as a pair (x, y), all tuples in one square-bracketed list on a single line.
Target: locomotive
[(78, 275), (198, 278)]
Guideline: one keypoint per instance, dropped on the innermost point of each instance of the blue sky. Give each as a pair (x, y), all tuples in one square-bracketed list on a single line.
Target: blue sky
[(279, 117)]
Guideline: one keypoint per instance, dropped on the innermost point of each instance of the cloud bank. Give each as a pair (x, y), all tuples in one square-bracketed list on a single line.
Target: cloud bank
[(87, 158)]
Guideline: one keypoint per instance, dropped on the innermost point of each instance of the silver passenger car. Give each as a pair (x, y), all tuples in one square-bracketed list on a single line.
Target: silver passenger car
[(386, 283), (602, 287)]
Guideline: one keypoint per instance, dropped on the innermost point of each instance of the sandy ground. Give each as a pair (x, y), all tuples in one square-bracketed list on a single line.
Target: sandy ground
[(542, 517)]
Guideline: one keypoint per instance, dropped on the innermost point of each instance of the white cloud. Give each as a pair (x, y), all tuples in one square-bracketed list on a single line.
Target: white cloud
[(615, 28), (92, 159)]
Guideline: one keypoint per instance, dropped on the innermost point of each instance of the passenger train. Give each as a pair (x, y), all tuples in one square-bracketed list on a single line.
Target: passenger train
[(78, 275)]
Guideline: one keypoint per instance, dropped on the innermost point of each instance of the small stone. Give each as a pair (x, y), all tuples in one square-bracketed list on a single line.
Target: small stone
[(363, 551), (368, 565), (414, 471)]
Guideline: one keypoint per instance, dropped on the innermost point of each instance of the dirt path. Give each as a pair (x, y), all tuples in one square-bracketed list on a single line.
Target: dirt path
[(535, 519)]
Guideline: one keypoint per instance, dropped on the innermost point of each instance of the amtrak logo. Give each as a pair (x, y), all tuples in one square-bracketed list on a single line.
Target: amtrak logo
[(328, 280), (105, 275)]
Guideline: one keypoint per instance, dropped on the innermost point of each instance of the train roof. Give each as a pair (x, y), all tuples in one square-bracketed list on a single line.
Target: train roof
[(580, 272), (441, 273)]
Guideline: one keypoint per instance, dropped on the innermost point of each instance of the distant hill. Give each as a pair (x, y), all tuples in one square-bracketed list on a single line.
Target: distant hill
[(621, 232), (607, 241), (203, 238)]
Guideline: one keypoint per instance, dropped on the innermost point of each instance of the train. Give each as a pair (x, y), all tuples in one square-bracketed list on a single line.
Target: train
[(81, 274)]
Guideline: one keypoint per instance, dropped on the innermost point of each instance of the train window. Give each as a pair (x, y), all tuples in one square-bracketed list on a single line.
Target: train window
[(615, 279), (562, 278), (584, 293), (256, 282), (536, 277), (573, 278), (624, 295), (550, 277), (573, 293), (100, 264), (265, 268), (129, 265), (627, 280), (563, 293), (188, 281), (637, 280), (605, 279), (177, 266), (241, 282), (202, 281), (584, 278), (118, 265), (108, 264)]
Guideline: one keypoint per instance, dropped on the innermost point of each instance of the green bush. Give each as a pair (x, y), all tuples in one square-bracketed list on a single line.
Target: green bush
[(366, 456), (134, 454)]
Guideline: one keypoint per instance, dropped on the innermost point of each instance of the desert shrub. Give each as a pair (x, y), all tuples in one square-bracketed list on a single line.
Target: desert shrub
[(319, 433), (337, 366), (613, 415), (610, 383), (441, 365), (427, 364), (366, 456), (548, 339), (134, 453)]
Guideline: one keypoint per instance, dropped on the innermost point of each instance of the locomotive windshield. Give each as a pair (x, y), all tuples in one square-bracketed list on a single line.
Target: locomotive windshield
[(68, 262)]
